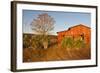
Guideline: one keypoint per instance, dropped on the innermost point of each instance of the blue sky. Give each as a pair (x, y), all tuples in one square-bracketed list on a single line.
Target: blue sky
[(64, 20)]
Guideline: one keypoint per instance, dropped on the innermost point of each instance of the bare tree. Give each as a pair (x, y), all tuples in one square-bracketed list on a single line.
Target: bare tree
[(42, 25)]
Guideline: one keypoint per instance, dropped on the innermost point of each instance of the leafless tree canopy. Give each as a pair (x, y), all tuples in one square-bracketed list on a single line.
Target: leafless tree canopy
[(43, 24)]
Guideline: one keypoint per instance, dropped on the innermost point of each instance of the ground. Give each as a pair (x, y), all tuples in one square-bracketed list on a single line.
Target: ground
[(54, 53)]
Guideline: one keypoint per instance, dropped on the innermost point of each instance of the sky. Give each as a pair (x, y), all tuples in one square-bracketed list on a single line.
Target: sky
[(63, 20)]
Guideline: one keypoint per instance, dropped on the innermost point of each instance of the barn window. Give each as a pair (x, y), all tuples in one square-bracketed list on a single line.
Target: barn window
[(69, 28), (62, 36), (82, 36)]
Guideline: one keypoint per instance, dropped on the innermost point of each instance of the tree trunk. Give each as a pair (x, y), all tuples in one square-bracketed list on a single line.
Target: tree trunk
[(45, 45)]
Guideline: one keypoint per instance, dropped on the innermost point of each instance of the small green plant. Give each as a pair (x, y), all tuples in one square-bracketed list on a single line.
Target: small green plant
[(73, 43), (36, 42), (26, 41), (67, 42), (70, 43), (79, 43)]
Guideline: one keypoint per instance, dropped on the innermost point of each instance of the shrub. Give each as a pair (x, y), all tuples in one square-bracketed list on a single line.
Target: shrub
[(67, 42), (26, 41), (79, 43), (73, 43)]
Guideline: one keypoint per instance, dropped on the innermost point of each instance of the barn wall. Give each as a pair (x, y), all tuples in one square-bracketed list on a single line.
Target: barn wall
[(75, 32)]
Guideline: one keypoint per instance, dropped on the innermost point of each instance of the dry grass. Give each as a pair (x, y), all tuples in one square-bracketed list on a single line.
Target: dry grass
[(54, 53)]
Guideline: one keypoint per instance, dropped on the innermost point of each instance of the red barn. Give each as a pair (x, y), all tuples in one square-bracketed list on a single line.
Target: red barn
[(76, 31)]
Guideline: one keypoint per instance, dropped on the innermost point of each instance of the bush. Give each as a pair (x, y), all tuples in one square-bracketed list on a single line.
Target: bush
[(67, 42), (73, 43), (26, 41), (79, 43)]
